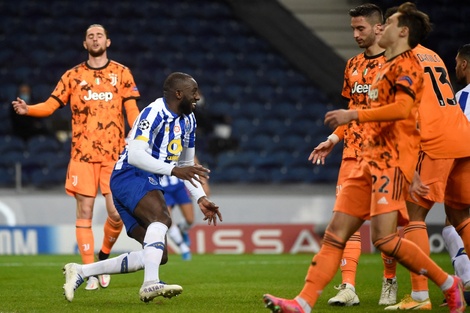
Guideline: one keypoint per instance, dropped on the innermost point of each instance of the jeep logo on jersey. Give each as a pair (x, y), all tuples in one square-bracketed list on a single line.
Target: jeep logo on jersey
[(360, 88), (374, 94), (106, 96)]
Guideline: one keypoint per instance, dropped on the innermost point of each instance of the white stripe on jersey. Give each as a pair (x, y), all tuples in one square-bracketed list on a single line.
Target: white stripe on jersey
[(167, 133), (463, 98)]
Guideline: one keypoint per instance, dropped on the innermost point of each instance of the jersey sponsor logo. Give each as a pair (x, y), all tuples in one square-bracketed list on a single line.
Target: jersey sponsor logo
[(374, 94), (175, 146), (177, 129), (360, 88), (144, 125), (106, 96)]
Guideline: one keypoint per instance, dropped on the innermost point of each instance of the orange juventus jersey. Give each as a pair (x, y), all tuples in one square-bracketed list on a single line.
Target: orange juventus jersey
[(395, 143), (358, 75), (96, 97), (442, 122)]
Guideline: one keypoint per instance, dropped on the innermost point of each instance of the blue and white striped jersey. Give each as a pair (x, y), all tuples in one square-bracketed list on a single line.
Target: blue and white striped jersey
[(166, 133), (463, 98)]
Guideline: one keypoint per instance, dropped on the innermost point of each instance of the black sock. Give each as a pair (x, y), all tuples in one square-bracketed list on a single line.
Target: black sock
[(102, 255)]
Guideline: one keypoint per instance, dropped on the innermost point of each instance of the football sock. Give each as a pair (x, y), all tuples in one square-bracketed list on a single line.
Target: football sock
[(154, 244), (412, 257), (85, 240), (124, 263), (390, 266), (454, 246), (184, 226), (175, 235), (305, 306), (463, 230), (112, 229), (323, 268), (417, 233), (351, 255)]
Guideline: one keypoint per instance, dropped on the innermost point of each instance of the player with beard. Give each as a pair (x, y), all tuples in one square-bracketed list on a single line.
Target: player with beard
[(161, 142), (96, 90)]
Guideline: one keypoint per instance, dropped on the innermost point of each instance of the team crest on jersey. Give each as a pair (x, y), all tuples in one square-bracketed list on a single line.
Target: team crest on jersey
[(113, 79), (187, 126), (144, 125), (152, 181)]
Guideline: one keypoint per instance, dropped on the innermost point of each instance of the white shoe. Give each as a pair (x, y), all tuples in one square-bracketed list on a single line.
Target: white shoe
[(389, 291), (152, 289), (104, 280), (92, 283), (72, 280), (346, 296)]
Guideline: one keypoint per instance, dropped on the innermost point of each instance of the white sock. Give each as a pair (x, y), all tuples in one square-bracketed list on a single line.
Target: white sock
[(154, 244), (305, 306), (455, 247), (447, 284), (175, 234), (184, 226), (124, 263), (350, 286), (420, 295)]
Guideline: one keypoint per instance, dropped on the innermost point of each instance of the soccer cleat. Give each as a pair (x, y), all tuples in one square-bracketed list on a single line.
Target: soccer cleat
[(72, 280), (279, 305), (186, 256), (454, 296), (408, 303), (346, 296), (153, 289), (388, 296), (92, 283), (104, 280)]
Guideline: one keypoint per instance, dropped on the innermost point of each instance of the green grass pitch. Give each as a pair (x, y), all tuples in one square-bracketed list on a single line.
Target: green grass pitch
[(211, 283)]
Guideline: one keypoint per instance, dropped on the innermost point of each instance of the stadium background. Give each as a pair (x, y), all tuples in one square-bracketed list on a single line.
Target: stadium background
[(269, 71)]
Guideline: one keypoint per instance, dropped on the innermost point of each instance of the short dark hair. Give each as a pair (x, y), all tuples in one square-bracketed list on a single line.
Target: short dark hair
[(174, 81), (464, 52), (97, 25), (369, 11), (417, 22)]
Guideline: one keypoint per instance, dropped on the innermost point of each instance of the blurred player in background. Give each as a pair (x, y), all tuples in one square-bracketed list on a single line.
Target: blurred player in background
[(97, 90), (176, 194)]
